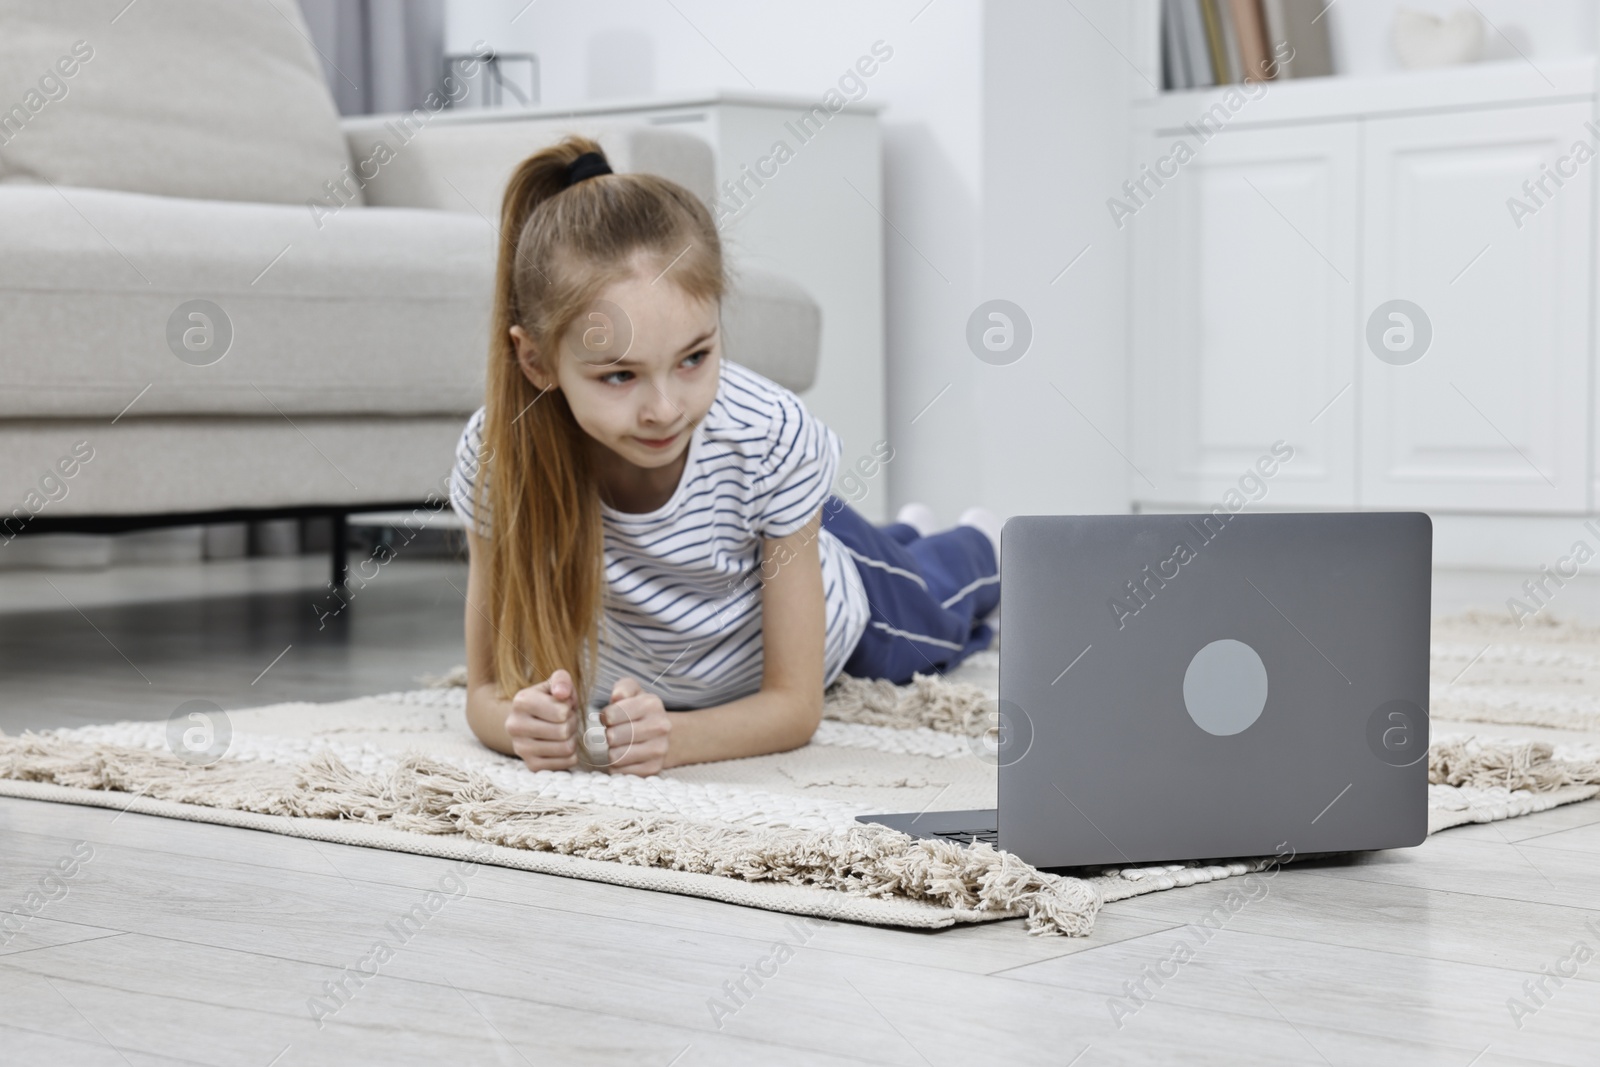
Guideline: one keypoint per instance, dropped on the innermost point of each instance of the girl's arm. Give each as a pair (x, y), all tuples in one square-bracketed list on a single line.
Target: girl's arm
[(486, 711), (786, 711)]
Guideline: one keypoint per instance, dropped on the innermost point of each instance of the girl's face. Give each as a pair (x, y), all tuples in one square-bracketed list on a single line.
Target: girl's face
[(639, 369)]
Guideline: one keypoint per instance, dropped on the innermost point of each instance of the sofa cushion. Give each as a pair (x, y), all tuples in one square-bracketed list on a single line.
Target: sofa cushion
[(192, 98), (380, 311)]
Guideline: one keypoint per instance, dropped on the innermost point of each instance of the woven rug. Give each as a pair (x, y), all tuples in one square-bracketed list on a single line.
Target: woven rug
[(1487, 668), (401, 771)]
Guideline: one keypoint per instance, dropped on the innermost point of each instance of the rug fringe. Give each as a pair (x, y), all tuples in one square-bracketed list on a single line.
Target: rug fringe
[(429, 796), (929, 701), (1485, 762)]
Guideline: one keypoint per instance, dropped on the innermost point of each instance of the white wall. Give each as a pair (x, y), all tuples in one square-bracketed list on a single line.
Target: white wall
[(991, 110), (1056, 89)]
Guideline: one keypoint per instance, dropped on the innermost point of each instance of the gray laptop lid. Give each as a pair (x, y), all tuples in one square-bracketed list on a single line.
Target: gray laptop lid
[(1185, 687)]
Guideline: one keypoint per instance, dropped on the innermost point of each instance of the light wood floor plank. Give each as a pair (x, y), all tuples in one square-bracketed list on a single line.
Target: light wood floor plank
[(23, 1044), (1566, 817), (36, 931), (1380, 994), (1585, 838), (172, 999), (1318, 907), (1481, 866), (631, 969)]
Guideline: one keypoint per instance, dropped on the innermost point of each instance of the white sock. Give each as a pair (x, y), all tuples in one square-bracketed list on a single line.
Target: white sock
[(919, 516), (985, 520)]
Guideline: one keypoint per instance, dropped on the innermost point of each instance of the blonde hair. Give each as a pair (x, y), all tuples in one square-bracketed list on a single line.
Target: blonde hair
[(561, 245)]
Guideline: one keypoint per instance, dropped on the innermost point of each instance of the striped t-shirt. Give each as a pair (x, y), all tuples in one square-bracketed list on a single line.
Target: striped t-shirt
[(683, 582)]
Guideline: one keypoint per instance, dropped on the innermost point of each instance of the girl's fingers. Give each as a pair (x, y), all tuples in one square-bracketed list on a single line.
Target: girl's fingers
[(637, 731), (635, 755), (642, 737), (625, 688), (549, 699), (553, 752), (632, 708), (542, 725), (536, 728), (540, 705)]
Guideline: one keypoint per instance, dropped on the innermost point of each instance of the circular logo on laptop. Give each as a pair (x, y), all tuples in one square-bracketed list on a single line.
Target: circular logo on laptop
[(1007, 734), (1397, 733), (1225, 687)]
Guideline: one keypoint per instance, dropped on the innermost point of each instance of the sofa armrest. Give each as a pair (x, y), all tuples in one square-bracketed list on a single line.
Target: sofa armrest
[(773, 326), (461, 161)]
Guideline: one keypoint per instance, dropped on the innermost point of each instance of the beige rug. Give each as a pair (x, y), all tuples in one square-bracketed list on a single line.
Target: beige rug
[(1488, 669), (401, 771)]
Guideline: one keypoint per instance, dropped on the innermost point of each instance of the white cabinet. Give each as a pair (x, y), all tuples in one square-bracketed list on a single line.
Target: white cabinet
[(1496, 411), (1245, 303), (1258, 268)]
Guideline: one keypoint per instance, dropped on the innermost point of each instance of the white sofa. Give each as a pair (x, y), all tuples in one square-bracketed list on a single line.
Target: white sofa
[(359, 335)]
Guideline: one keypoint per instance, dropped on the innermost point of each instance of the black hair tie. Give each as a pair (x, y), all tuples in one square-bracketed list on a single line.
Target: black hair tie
[(587, 165)]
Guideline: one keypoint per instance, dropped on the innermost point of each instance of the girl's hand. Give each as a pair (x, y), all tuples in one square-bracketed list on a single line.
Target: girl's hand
[(637, 726), (542, 725)]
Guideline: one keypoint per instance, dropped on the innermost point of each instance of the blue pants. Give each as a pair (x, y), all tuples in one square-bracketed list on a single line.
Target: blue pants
[(928, 596)]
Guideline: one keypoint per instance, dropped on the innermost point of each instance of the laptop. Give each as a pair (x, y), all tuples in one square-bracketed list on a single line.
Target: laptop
[(1187, 687)]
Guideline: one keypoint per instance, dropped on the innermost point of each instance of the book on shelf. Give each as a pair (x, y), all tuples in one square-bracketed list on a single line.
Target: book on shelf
[(1194, 28), (1303, 26), (1229, 42), (1251, 27), (1215, 48), (1226, 42), (1189, 37), (1174, 60)]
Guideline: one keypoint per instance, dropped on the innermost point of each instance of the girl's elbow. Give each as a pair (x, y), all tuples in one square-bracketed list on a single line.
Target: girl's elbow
[(804, 717)]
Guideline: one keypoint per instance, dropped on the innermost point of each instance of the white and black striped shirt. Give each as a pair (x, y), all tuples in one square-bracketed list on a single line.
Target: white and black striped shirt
[(683, 589)]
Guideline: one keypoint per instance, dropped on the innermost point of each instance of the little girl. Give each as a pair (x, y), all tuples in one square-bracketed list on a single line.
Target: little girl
[(651, 527)]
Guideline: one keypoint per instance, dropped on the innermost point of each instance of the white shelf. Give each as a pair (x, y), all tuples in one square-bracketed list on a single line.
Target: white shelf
[(1507, 83), (629, 108)]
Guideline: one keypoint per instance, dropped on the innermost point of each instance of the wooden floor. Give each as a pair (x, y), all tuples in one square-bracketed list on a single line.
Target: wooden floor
[(180, 942)]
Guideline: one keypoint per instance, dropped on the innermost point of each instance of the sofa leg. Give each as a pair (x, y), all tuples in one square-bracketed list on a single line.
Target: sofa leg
[(339, 550)]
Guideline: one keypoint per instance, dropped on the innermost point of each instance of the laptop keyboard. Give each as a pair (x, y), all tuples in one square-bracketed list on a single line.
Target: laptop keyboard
[(968, 837)]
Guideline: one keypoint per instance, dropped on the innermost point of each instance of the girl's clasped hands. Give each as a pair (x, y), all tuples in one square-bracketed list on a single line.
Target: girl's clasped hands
[(544, 727)]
